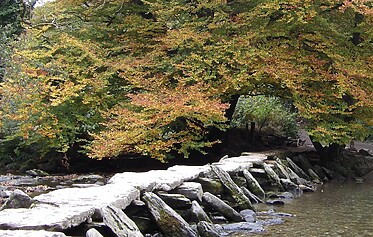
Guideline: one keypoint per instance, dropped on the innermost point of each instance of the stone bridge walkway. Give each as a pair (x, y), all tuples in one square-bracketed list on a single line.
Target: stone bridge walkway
[(58, 210)]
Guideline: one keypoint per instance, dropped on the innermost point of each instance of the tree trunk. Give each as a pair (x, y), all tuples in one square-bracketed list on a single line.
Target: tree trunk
[(230, 111), (328, 153)]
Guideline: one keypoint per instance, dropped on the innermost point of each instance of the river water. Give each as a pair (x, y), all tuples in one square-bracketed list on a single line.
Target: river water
[(336, 209)]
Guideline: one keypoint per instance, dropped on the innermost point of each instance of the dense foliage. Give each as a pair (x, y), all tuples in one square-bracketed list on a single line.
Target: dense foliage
[(149, 77), (269, 113)]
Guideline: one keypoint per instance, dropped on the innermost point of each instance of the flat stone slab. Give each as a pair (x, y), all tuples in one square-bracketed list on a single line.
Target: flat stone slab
[(44, 217), (30, 233), (165, 180), (93, 197)]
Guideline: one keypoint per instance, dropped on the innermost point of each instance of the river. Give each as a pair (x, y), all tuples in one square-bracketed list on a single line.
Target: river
[(336, 209)]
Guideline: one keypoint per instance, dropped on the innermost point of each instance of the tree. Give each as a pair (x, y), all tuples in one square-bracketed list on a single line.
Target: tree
[(158, 74)]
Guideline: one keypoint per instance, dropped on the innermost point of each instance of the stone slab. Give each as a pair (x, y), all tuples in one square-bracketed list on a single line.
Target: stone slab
[(94, 197), (30, 233), (44, 217)]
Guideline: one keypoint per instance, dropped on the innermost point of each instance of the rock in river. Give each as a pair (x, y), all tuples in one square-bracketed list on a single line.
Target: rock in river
[(17, 199), (170, 223), (119, 222), (220, 206)]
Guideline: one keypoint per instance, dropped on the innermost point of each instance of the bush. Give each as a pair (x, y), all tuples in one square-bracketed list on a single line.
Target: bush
[(269, 113)]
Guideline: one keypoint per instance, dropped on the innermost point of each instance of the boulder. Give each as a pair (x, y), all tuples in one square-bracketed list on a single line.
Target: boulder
[(198, 214), (211, 185), (275, 180), (307, 188), (251, 196), (36, 173), (93, 233), (248, 215), (119, 222), (174, 200), (320, 172), (288, 184), (253, 184), (314, 177), (295, 177), (17, 199), (236, 192), (137, 207), (297, 169), (169, 222), (282, 170), (217, 204), (241, 228), (206, 229), (191, 190)]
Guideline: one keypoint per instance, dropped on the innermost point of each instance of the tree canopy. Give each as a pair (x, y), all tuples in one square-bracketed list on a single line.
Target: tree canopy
[(151, 77)]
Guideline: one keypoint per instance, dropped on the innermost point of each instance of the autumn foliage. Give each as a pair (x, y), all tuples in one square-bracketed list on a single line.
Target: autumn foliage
[(153, 77)]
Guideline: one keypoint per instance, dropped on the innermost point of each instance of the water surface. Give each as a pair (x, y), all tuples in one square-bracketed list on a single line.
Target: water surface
[(336, 209)]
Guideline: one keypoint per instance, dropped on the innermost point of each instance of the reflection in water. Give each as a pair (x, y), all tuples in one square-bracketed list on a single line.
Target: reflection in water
[(336, 209)]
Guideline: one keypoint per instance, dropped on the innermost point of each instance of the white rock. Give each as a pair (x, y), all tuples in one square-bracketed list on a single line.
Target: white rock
[(30, 233), (191, 190)]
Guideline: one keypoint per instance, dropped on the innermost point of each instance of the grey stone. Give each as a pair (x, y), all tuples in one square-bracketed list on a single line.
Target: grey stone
[(210, 185), (119, 222), (36, 172), (59, 218), (288, 184), (295, 177), (307, 188), (30, 233), (91, 178), (5, 193), (17, 199), (93, 233), (236, 192), (177, 201), (220, 206), (282, 170), (119, 195), (242, 227), (170, 223), (191, 190), (320, 172), (206, 229), (249, 215), (251, 196), (253, 184), (275, 180), (297, 169), (314, 177), (198, 214)]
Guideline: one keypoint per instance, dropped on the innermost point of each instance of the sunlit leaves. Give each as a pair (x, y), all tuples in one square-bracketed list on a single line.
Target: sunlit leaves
[(151, 77)]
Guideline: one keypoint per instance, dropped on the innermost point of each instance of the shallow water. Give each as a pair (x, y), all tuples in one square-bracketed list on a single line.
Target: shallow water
[(336, 209)]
